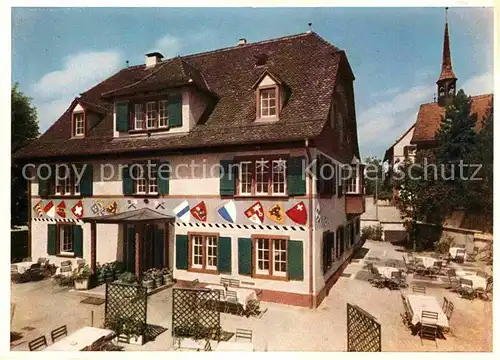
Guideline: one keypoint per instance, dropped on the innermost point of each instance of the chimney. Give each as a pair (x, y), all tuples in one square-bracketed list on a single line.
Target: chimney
[(153, 58), (242, 42)]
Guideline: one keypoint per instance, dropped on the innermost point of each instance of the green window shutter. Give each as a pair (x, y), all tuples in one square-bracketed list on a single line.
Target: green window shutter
[(224, 255), (181, 252), (87, 181), (127, 183), (77, 240), (122, 117), (164, 179), (295, 260), (320, 182), (245, 256), (227, 180), (43, 185), (131, 248), (174, 108), (325, 252), (296, 181), (51, 239)]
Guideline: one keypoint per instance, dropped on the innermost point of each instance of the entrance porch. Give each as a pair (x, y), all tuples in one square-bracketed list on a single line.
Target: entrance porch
[(145, 238)]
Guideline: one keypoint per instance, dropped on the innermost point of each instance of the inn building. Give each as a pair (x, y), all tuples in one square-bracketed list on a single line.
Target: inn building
[(265, 113)]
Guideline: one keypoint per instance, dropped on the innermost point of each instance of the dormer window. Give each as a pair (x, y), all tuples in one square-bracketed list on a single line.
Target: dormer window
[(151, 115), (268, 99), (79, 124), (139, 116)]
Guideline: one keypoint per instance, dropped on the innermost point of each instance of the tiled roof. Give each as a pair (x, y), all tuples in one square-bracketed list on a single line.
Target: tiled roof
[(430, 115), (305, 62)]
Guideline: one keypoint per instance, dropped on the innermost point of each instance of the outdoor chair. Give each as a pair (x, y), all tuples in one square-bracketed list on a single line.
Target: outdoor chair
[(208, 347), (224, 281), (38, 343), (449, 310), (64, 277), (377, 279), (80, 263), (43, 261), (396, 281), (195, 283), (406, 315), (436, 268), (410, 267), (35, 272), (232, 302), (445, 305), (460, 256), (484, 293), (253, 308), (243, 334), (418, 290), (482, 274), (234, 283), (428, 326), (58, 333), (467, 289)]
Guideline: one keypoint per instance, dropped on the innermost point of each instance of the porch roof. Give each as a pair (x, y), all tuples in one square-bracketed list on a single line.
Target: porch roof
[(132, 216)]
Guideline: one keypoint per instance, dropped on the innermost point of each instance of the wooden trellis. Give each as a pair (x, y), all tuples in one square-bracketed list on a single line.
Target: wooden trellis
[(363, 331)]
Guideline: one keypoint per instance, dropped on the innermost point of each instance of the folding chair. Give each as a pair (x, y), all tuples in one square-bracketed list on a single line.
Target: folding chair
[(460, 256), (253, 308), (428, 326), (445, 305), (80, 263), (482, 274), (467, 289), (58, 333), (234, 283), (224, 281), (396, 281), (195, 283), (484, 293), (64, 277), (232, 301), (38, 343), (418, 290), (449, 310), (406, 315), (243, 334)]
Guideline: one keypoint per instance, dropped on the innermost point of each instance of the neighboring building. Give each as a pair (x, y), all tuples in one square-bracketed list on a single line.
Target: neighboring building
[(271, 108), (430, 115)]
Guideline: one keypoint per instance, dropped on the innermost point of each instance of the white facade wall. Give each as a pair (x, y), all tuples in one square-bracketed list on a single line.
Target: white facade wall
[(399, 155)]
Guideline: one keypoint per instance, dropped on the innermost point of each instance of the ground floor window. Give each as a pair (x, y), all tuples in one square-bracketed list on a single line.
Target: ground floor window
[(65, 239), (330, 251), (270, 256), (203, 251)]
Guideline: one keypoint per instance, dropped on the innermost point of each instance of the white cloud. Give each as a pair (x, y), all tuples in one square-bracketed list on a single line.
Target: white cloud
[(49, 111), (480, 84), (169, 46), (79, 72)]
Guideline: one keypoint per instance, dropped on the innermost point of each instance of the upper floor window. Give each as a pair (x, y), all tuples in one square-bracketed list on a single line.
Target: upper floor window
[(78, 124), (66, 182), (145, 182), (351, 179), (410, 151), (151, 118), (163, 113), (139, 116), (268, 99), (262, 177)]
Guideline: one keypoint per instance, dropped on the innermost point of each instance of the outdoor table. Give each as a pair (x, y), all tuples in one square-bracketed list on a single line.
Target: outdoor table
[(427, 261), (190, 344), (386, 271), (477, 281), (23, 266), (243, 295), (453, 252), (79, 339), (234, 346), (419, 303)]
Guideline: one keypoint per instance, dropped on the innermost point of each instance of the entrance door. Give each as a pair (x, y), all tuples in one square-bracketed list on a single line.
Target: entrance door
[(152, 248)]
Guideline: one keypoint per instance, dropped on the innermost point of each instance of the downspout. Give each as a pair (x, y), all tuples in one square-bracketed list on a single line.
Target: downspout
[(311, 229)]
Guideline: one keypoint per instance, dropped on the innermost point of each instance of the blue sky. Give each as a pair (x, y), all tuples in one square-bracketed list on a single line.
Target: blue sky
[(395, 53)]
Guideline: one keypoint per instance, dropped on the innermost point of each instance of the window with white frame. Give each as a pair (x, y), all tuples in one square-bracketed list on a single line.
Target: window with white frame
[(262, 177), (204, 252), (65, 239), (352, 180), (197, 251), (79, 127), (151, 118), (268, 102), (66, 181), (163, 113), (145, 179), (270, 256), (139, 116), (211, 245), (245, 178)]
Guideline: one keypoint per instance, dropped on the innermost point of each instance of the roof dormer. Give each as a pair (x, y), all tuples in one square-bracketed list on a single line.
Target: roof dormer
[(269, 92)]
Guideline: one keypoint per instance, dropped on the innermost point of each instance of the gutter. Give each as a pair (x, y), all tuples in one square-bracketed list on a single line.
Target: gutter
[(311, 229)]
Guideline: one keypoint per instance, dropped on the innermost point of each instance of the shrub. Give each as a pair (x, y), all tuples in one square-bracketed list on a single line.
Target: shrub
[(444, 244), (372, 232)]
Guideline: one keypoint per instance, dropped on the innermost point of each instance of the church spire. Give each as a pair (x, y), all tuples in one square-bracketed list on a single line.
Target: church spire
[(447, 79)]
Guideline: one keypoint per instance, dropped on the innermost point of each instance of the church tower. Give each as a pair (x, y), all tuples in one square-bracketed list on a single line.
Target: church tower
[(446, 84)]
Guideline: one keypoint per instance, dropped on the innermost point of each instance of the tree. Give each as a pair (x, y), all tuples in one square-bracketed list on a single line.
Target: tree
[(24, 128)]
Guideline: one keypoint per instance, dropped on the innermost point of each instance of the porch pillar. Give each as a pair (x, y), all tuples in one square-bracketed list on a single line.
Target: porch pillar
[(139, 228), (166, 244), (93, 247)]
